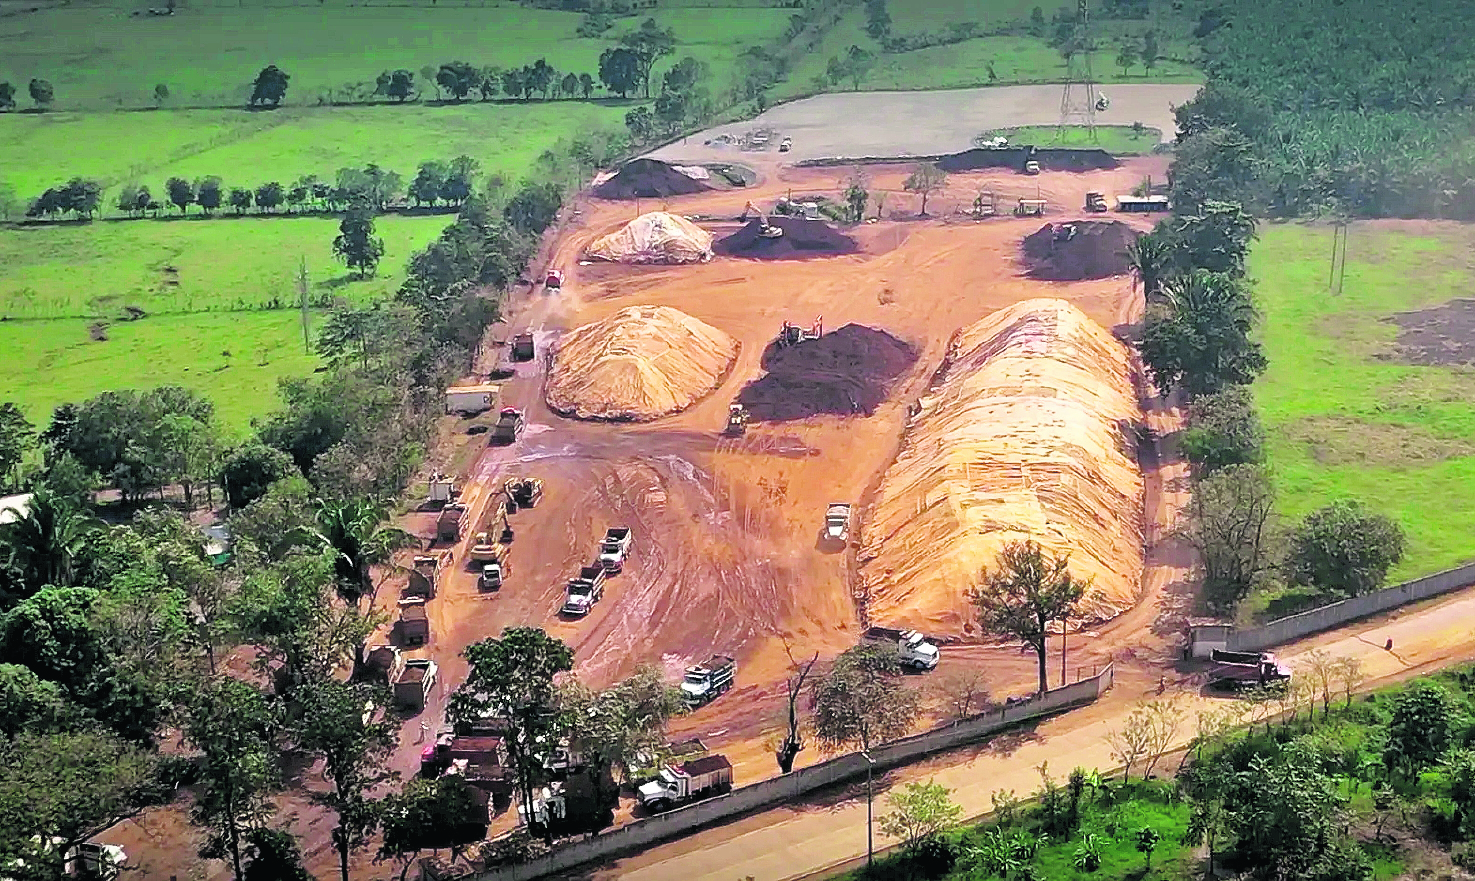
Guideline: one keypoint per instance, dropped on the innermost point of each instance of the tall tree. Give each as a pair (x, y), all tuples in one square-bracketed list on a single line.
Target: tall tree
[(181, 193), (609, 729), (1231, 527), (1344, 549), (355, 244), (247, 471), (208, 193), (241, 199), (1024, 593), (7, 96), (43, 545), (1223, 430), (17, 437), (570, 85), (269, 87), (1151, 257), (511, 678), (269, 196), (1199, 339), (429, 182), (925, 179), (358, 534), (42, 94), (458, 78), (586, 85), (1420, 727), (428, 815), (1216, 238), (650, 43), (620, 69), (1282, 814), (1150, 52)]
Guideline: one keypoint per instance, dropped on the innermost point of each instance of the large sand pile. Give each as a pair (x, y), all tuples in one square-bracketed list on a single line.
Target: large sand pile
[(1029, 435), (655, 237), (640, 363)]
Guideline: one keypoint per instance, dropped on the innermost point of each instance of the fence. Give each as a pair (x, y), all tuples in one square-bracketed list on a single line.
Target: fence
[(1294, 627), (791, 786)]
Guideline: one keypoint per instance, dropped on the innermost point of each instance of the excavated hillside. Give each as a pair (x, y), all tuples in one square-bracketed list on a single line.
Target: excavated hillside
[(1030, 434), (640, 363)]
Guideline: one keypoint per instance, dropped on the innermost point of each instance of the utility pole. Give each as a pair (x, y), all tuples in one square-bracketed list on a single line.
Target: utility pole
[(302, 303)]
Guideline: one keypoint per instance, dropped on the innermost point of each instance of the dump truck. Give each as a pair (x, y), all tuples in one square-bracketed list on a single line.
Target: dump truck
[(490, 577), (647, 765), (912, 648), (425, 575), (442, 490), (553, 280), (1095, 202), (785, 145), (837, 523), (522, 347), (704, 682), (1031, 166), (1235, 670), (584, 591), (615, 548), (468, 399), (737, 420), (414, 625), (687, 782), (510, 423), (414, 682), (451, 521), (523, 492)]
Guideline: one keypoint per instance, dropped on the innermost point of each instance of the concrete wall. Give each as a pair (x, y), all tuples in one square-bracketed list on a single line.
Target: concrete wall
[(791, 786), (1294, 627)]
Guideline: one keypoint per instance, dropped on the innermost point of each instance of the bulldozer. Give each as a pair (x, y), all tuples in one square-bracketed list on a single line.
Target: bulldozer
[(737, 420), (765, 229), (793, 334)]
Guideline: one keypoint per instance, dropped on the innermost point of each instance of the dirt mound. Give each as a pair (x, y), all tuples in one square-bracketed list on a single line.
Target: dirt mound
[(640, 363), (1079, 250), (801, 238), (1443, 336), (1029, 435), (656, 237), (1050, 159), (846, 371), (648, 179)]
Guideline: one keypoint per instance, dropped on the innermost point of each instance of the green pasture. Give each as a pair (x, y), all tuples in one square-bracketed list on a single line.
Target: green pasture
[(1118, 140), (224, 263), (1344, 418)]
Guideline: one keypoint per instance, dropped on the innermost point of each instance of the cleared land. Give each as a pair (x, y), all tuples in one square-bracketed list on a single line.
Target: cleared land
[(1346, 412), (860, 124)]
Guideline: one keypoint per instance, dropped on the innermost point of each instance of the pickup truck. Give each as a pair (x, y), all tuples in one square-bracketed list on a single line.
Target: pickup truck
[(837, 523), (912, 648), (510, 423), (679, 784), (583, 592), (1234, 670), (615, 548)]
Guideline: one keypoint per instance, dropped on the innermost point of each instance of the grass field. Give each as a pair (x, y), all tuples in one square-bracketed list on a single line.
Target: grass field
[(1344, 422), (1118, 140)]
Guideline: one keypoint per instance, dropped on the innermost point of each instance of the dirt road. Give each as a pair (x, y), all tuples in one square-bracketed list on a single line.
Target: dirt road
[(804, 840), (855, 124)]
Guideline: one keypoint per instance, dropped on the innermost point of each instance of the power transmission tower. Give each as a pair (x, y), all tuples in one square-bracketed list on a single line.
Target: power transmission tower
[(1079, 98), (302, 303)]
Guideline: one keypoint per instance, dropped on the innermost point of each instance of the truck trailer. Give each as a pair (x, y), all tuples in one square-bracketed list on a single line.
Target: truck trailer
[(1236, 670), (468, 399), (688, 782), (912, 648)]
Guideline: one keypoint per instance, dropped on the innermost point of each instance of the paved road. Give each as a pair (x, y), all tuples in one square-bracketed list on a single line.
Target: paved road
[(801, 841), (888, 124)]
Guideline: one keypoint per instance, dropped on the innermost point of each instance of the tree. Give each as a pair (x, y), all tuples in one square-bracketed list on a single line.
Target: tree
[(269, 196), (570, 85), (1146, 840), (161, 94), (613, 729), (1420, 727), (650, 43), (181, 193), (42, 94), (856, 198), (1223, 430), (17, 437), (586, 85), (353, 745), (7, 96), (355, 244), (269, 87), (1280, 812), (273, 855), (358, 535), (641, 124), (1217, 164), (793, 742), (925, 179), (511, 678), (1132, 743), (538, 77), (30, 703), (458, 78), (852, 66), (460, 180), (208, 193), (1217, 238), (963, 693), (1024, 594), (43, 545), (1199, 339), (620, 70), (429, 181), (1231, 527), (81, 196), (489, 82), (1150, 53), (249, 470), (920, 811), (240, 199), (533, 208), (396, 84), (428, 814), (1126, 55), (236, 727), (1344, 549)]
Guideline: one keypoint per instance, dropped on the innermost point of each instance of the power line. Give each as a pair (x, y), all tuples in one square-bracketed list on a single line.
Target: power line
[(1079, 98)]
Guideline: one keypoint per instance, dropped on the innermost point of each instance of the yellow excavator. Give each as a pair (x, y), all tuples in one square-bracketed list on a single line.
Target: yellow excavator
[(766, 229)]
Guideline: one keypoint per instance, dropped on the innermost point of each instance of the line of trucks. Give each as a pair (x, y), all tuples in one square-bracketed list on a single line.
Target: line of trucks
[(585, 589)]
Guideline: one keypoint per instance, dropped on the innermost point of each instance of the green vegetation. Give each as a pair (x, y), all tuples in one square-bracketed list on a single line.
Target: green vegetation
[(1346, 420), (1118, 140)]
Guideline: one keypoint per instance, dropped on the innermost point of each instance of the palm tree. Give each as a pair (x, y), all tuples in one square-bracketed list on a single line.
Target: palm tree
[(360, 539), (42, 545), (1151, 260)]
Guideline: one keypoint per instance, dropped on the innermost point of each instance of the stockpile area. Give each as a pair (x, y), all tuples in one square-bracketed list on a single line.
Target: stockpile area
[(638, 364), (801, 238), (648, 179), (656, 237), (1079, 250), (1030, 435), (847, 371)]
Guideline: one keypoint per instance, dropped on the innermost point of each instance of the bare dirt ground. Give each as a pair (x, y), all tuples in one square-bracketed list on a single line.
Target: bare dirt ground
[(726, 555), (857, 124)]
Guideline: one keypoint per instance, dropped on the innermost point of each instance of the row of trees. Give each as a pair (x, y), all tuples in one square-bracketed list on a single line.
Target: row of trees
[(41, 91)]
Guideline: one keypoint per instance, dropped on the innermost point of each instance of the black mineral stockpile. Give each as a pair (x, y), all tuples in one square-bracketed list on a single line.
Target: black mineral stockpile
[(847, 371), (1079, 250), (648, 179), (1050, 159), (801, 238)]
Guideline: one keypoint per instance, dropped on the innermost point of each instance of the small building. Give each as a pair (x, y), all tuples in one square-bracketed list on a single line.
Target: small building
[(471, 398), (1142, 204), (1207, 635)]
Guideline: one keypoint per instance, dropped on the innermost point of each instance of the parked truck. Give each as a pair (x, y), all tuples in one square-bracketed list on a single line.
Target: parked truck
[(837, 523), (584, 591), (688, 782), (414, 624), (1234, 670), (704, 682), (451, 521), (510, 423), (615, 548), (412, 685), (1095, 202), (522, 347), (442, 490), (425, 575), (912, 648)]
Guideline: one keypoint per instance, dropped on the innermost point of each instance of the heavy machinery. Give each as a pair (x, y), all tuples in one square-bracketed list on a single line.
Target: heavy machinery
[(1095, 203), (523, 492), (837, 523), (1102, 102), (1030, 208), (554, 280), (522, 347), (785, 145), (912, 648), (1031, 166), (1063, 232), (737, 420), (1234, 670), (679, 784), (485, 550), (704, 682), (765, 229), (510, 423), (793, 334), (986, 204)]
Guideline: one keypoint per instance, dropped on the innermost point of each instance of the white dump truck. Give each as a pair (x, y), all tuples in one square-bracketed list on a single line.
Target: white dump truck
[(681, 784), (704, 682), (837, 523), (615, 548), (583, 592), (912, 648)]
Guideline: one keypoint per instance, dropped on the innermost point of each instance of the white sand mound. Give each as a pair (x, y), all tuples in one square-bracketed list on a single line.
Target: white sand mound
[(640, 363), (1030, 435), (656, 237)]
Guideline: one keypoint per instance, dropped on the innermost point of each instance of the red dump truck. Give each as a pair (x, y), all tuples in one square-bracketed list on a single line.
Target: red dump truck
[(680, 784), (1235, 670)]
